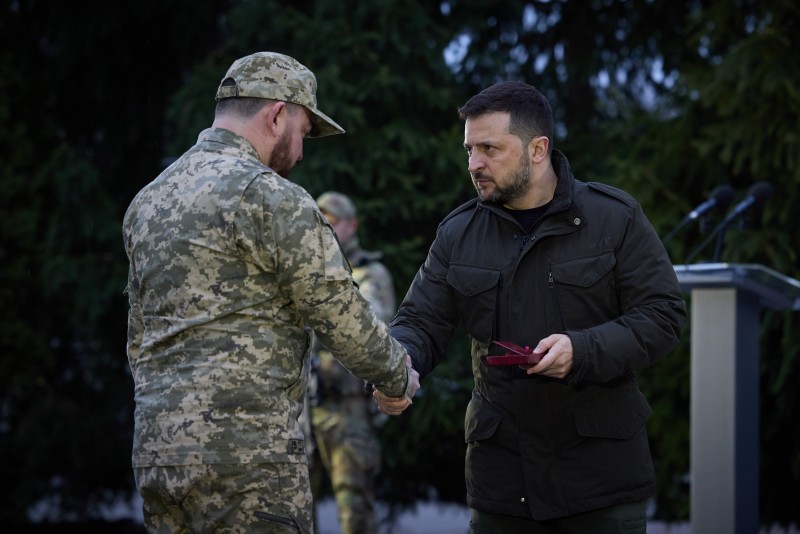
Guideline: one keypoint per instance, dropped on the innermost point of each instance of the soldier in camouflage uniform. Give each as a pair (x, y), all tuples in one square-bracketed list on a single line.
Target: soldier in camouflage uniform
[(342, 414), (231, 264)]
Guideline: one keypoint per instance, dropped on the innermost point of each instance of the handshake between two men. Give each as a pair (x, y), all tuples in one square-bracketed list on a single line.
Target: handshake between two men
[(397, 405)]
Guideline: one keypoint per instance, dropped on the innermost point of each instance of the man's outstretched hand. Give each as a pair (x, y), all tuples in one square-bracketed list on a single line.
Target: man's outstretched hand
[(397, 405)]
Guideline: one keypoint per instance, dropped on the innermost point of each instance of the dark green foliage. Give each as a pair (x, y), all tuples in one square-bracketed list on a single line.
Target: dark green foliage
[(666, 99), (82, 92)]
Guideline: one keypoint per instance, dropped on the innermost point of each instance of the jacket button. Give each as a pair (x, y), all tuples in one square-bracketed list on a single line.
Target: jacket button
[(576, 221), (522, 499)]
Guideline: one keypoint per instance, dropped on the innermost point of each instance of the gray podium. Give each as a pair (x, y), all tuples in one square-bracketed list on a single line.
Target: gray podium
[(726, 301)]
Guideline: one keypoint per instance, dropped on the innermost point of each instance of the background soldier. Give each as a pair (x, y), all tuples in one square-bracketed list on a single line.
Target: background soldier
[(343, 418)]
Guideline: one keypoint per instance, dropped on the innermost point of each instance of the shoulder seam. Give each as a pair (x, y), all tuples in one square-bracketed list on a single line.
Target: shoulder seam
[(463, 207), (613, 192)]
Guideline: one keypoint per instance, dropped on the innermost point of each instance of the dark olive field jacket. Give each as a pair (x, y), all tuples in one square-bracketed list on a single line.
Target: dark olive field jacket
[(592, 268)]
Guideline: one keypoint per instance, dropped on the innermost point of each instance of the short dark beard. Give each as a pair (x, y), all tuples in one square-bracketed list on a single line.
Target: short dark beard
[(279, 161), (520, 184)]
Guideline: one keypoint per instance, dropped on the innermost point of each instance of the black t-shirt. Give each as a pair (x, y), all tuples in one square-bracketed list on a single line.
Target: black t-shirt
[(527, 218)]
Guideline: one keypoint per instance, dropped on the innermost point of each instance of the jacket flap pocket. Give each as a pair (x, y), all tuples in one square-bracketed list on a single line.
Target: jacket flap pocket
[(482, 425), (584, 272), (619, 417), (470, 280)]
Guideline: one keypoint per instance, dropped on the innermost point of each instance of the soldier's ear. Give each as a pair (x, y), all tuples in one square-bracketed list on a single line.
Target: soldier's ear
[(275, 116)]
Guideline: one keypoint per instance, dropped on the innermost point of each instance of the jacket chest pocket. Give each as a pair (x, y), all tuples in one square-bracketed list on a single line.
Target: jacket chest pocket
[(585, 290), (476, 292)]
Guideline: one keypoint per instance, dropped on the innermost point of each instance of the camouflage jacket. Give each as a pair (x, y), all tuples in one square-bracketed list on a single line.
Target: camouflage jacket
[(375, 284), (230, 265)]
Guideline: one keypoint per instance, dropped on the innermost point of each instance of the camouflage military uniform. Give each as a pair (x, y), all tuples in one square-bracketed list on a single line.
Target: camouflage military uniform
[(230, 264), (342, 416)]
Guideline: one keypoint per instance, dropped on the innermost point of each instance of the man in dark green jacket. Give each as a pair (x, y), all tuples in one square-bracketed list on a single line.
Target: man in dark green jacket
[(574, 273)]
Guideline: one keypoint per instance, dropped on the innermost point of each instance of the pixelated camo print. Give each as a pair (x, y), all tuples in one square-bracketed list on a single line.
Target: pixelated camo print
[(230, 264), (254, 499)]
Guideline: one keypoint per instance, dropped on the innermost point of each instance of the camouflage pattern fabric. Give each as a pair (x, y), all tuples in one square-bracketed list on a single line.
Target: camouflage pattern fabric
[(230, 264), (276, 76), (276, 498), (343, 415)]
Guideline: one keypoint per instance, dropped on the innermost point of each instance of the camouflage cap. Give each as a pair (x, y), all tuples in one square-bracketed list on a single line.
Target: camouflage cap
[(337, 204), (277, 77)]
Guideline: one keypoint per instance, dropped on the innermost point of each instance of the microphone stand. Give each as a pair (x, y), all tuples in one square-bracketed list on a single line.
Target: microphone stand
[(757, 195), (718, 247), (718, 233), (720, 197)]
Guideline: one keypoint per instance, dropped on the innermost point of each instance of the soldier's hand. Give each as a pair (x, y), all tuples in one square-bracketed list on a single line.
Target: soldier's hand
[(397, 405)]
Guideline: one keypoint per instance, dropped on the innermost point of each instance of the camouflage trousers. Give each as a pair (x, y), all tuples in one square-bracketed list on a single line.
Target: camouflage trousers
[(350, 453), (196, 499)]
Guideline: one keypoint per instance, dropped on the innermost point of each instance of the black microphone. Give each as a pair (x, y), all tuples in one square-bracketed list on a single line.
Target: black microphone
[(720, 197), (757, 195)]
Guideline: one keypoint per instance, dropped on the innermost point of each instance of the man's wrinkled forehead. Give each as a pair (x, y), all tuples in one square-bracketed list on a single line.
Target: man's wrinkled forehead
[(486, 127)]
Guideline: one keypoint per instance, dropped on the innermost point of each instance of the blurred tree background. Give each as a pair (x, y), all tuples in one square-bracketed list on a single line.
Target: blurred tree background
[(666, 99)]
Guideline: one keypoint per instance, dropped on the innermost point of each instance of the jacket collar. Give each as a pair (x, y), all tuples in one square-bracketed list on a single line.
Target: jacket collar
[(227, 138), (562, 198)]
